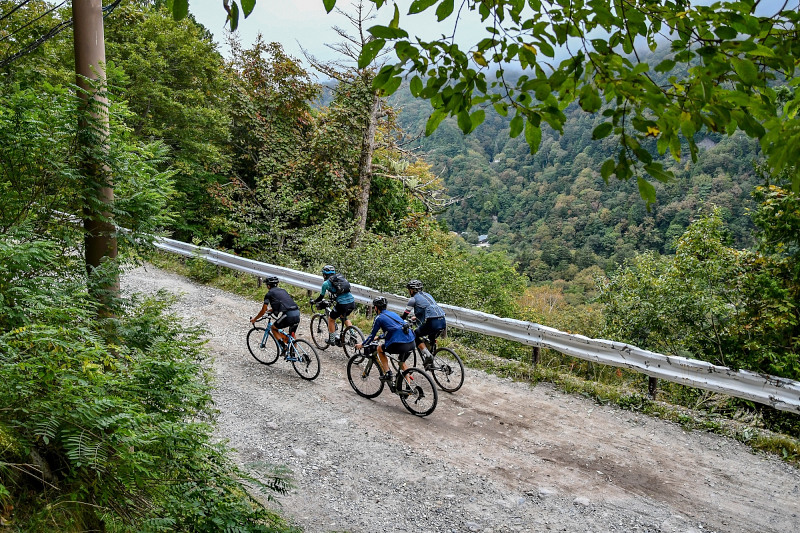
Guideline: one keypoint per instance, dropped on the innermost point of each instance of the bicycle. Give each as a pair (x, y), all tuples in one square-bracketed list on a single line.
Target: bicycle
[(446, 366), (266, 349), (351, 336), (414, 386)]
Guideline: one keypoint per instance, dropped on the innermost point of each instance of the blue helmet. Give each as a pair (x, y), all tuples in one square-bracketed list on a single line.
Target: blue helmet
[(328, 271)]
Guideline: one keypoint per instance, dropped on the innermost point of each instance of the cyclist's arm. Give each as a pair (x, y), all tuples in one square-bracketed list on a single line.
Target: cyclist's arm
[(264, 309), (376, 326), (325, 288)]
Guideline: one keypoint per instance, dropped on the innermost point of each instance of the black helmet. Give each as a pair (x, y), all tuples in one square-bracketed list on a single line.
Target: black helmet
[(380, 302), (328, 271), (414, 284), (272, 281)]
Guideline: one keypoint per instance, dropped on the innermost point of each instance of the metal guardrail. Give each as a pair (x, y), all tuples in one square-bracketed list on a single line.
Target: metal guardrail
[(780, 393)]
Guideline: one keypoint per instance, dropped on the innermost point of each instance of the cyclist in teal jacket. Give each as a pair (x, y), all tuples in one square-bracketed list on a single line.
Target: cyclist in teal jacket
[(345, 302)]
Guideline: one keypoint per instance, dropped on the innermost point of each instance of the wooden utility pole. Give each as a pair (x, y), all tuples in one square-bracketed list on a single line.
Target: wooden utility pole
[(100, 239)]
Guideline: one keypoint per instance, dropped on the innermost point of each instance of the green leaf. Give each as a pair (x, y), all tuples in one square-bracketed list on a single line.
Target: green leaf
[(589, 99), (464, 122), (746, 70), (602, 131), (516, 126), (180, 8), (726, 33), (383, 77), (369, 52), (247, 7), (392, 85), (501, 108), (444, 10), (395, 23), (234, 16), (434, 120), (386, 32), (607, 169), (646, 190), (418, 6), (657, 171), (329, 5), (415, 86), (533, 136), (477, 118)]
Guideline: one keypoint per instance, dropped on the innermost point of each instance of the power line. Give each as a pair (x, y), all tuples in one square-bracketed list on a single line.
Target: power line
[(3, 17), (50, 33), (32, 21)]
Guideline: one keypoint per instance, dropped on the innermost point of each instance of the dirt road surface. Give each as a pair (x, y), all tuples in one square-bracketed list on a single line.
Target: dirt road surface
[(495, 456)]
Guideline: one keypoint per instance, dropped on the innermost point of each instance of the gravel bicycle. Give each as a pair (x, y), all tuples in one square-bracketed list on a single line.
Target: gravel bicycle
[(351, 335), (266, 349), (414, 386), (445, 366)]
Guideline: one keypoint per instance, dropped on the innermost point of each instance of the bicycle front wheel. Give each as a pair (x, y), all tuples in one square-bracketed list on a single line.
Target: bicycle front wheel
[(263, 349), (351, 336), (319, 331), (307, 361), (447, 369), (417, 392), (364, 376)]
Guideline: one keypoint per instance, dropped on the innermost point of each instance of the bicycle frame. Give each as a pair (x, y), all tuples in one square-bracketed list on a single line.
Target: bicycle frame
[(288, 350)]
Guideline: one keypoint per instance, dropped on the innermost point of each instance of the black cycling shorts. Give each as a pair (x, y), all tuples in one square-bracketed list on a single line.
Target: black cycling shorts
[(342, 310), (432, 327), (291, 319), (400, 348)]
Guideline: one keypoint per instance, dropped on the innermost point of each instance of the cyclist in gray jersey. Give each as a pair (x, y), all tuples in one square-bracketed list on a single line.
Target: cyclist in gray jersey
[(429, 315)]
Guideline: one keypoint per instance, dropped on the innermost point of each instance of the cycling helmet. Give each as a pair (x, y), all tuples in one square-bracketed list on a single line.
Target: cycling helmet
[(380, 302), (328, 271), (414, 284), (272, 281)]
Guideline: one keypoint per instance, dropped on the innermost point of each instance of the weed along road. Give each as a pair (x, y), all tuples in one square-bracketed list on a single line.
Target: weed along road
[(495, 456)]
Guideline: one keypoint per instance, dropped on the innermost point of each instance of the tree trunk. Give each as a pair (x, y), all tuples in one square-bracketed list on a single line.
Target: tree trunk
[(100, 239), (365, 170)]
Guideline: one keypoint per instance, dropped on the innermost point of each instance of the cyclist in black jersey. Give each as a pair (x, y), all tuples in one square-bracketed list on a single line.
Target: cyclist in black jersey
[(278, 302)]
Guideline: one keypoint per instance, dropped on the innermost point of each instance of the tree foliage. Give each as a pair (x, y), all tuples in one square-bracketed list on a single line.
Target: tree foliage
[(730, 54)]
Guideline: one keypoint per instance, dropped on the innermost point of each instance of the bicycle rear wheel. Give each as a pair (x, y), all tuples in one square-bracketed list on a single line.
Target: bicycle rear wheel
[(364, 376), (307, 365), (351, 336), (266, 354), (319, 331), (447, 369), (417, 392)]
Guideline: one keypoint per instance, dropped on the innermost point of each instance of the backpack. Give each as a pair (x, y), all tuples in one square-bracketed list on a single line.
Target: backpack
[(340, 284)]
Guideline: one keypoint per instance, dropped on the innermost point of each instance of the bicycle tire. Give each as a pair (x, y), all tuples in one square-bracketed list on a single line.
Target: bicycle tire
[(417, 392), (364, 376), (319, 331), (447, 370), (307, 366), (267, 354), (351, 336)]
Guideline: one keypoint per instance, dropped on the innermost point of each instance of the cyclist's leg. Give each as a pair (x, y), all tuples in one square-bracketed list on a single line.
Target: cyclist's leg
[(383, 359), (276, 331)]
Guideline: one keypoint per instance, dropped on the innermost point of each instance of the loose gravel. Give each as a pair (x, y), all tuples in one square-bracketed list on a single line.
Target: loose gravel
[(496, 456)]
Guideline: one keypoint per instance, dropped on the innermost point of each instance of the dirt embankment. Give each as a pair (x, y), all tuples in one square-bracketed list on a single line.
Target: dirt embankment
[(495, 456)]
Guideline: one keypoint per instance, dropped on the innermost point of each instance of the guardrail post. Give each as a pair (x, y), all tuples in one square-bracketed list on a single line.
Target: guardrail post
[(258, 282), (652, 388), (534, 356)]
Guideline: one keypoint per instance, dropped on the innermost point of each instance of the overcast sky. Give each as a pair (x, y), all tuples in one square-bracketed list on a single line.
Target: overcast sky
[(296, 23)]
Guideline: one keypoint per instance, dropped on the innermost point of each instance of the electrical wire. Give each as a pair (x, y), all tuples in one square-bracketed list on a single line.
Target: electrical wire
[(6, 15), (50, 33), (32, 21)]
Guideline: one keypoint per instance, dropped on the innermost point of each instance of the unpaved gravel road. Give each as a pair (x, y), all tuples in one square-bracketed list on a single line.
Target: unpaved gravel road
[(496, 456)]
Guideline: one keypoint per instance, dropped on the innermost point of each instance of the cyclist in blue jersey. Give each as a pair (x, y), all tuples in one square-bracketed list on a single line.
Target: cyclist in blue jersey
[(428, 314), (345, 302), (398, 338)]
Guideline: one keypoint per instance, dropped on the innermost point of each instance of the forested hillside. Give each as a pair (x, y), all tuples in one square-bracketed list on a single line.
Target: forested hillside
[(552, 211)]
